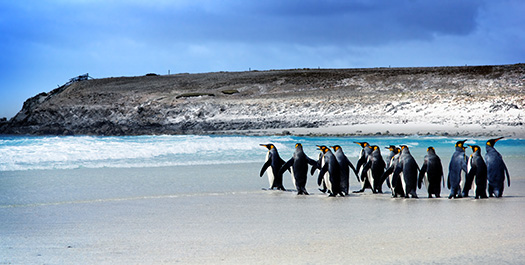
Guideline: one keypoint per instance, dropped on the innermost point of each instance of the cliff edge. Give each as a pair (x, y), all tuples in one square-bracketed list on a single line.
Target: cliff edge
[(469, 100)]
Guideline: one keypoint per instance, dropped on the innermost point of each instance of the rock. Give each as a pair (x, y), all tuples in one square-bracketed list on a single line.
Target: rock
[(281, 99)]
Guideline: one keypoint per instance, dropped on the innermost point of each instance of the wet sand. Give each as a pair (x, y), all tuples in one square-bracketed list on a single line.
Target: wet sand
[(236, 222)]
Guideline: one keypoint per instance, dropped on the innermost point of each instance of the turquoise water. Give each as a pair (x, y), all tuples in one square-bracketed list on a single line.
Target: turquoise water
[(37, 153)]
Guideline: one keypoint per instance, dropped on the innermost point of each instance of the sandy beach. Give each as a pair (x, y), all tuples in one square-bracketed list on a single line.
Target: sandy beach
[(143, 216)]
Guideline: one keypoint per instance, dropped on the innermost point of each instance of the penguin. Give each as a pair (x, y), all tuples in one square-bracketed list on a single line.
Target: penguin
[(319, 165), (274, 162), (458, 163), (408, 166), (432, 173), (299, 168), (373, 170), (330, 172), (394, 183), (476, 173), (363, 156), (496, 169), (344, 164), (393, 152)]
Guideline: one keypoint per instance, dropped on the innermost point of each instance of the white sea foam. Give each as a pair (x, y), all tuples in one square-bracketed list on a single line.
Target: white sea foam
[(22, 153), (31, 153)]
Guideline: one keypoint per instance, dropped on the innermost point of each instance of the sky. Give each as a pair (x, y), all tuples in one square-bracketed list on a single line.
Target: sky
[(44, 43)]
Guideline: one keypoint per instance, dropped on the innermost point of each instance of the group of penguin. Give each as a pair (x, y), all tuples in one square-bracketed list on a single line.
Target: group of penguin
[(401, 172)]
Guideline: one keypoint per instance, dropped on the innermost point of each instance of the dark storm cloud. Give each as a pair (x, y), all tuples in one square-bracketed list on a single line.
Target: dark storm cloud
[(54, 40), (322, 22)]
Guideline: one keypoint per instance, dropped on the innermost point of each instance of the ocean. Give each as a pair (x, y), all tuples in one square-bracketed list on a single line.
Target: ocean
[(20, 153), (49, 169)]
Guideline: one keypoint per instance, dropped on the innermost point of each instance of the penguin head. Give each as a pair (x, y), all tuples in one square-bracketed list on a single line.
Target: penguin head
[(362, 144), (269, 146), (461, 144), (375, 148), (405, 149), (298, 145), (492, 142), (431, 150), (398, 150), (475, 148), (336, 147), (323, 148), (391, 148)]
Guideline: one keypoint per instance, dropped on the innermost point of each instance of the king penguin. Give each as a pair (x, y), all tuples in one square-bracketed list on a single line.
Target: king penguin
[(432, 173), (496, 169), (373, 170), (476, 173), (363, 156), (330, 172), (394, 181), (273, 162), (393, 152), (344, 164), (299, 168), (458, 163), (408, 166)]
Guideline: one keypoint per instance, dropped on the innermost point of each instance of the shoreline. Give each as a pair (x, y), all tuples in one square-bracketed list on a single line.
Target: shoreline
[(408, 129)]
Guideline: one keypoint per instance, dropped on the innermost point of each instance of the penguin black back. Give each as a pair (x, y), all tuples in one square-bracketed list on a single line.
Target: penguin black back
[(299, 168), (458, 163), (344, 164), (496, 169), (431, 173)]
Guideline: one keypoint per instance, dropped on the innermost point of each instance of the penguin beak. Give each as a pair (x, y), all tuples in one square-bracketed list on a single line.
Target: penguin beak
[(497, 139)]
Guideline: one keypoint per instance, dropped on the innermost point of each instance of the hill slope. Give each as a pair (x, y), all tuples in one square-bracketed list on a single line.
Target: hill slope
[(484, 100)]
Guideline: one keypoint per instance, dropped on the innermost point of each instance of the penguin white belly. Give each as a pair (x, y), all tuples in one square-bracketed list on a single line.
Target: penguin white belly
[(403, 183), (370, 178), (293, 177), (390, 180), (269, 171), (462, 181), (327, 181), (425, 179), (271, 177)]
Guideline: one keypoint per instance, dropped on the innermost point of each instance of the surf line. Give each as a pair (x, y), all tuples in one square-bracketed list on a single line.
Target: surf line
[(123, 199)]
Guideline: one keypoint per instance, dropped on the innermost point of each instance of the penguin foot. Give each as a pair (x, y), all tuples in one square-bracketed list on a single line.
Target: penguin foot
[(358, 191), (322, 190)]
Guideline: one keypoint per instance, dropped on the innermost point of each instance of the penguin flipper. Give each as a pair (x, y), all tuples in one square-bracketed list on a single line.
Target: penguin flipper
[(321, 174), (265, 166), (422, 174), (385, 175), (311, 161), (316, 166), (286, 166), (448, 181), (507, 173)]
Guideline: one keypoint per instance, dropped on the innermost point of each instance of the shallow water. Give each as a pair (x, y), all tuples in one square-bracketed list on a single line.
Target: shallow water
[(124, 200), (54, 169)]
